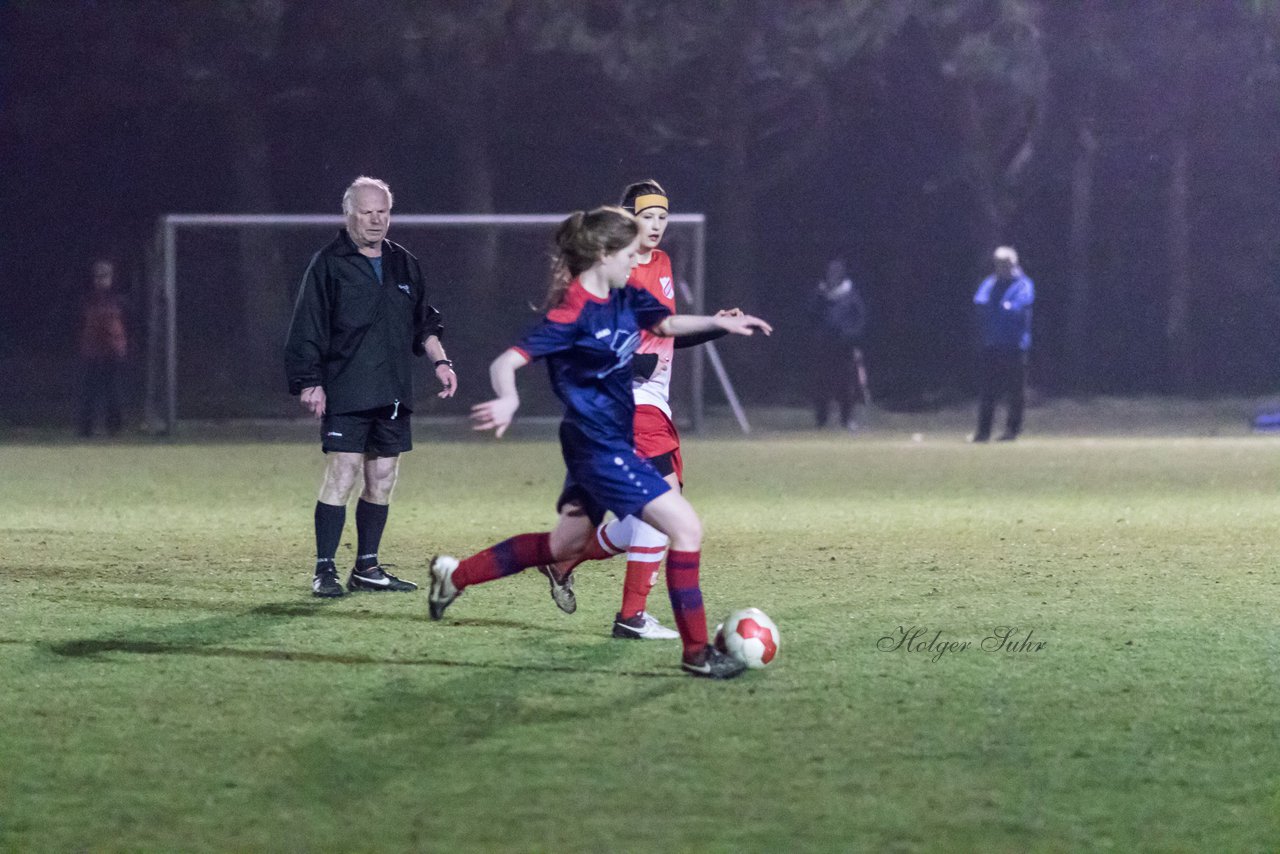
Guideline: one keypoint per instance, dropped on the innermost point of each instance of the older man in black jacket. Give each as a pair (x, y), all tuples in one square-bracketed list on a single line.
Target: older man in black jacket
[(361, 311)]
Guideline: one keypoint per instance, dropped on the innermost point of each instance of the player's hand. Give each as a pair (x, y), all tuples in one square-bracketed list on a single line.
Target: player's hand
[(729, 312), (448, 381), (494, 415), (313, 400), (743, 324)]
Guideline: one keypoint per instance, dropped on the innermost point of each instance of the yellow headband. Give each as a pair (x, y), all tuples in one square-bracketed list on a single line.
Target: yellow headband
[(650, 200)]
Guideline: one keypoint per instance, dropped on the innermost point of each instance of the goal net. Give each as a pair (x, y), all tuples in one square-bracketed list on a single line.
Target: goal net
[(222, 288)]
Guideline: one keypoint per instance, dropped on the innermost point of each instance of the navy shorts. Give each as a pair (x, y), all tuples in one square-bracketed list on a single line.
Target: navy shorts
[(615, 480), (372, 431)]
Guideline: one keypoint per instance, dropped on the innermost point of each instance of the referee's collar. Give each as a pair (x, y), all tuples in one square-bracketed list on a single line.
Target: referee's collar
[(348, 246)]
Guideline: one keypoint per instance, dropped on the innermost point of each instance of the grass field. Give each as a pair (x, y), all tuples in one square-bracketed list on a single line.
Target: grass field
[(167, 683)]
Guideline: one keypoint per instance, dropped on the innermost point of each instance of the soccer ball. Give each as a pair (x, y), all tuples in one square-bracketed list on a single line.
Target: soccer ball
[(749, 636)]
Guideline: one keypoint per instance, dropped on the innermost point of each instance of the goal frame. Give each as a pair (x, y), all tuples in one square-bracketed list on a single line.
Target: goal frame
[(161, 402)]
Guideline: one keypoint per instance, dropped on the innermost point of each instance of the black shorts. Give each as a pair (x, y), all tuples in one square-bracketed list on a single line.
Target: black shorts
[(665, 463), (371, 431)]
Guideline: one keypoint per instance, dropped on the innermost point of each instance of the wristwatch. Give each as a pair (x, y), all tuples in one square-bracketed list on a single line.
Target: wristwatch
[(440, 362)]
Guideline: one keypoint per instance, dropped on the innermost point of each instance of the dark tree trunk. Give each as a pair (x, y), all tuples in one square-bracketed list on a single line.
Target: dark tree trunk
[(1082, 174), (265, 289), (474, 130), (730, 279), (1177, 332), (981, 174)]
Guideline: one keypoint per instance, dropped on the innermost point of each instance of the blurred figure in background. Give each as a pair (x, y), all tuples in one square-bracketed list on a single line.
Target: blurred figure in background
[(103, 347), (1003, 302), (839, 318)]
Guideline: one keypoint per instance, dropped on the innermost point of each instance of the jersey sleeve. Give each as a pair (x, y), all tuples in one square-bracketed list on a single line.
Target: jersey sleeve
[(426, 317), (648, 310), (308, 337), (546, 338)]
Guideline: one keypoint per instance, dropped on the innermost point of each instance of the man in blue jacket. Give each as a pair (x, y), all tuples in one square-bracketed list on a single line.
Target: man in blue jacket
[(1003, 302)]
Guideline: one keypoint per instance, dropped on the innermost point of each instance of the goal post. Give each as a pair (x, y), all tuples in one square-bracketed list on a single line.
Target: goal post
[(221, 289)]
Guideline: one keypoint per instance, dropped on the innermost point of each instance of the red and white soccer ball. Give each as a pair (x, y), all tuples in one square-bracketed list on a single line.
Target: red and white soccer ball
[(749, 636)]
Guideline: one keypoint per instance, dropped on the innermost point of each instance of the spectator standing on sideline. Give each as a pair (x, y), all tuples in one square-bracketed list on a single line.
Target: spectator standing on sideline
[(839, 319), (1003, 302), (361, 311), (104, 344)]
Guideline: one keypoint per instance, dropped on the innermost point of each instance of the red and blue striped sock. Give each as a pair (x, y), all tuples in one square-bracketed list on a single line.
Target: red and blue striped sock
[(506, 558), (686, 600)]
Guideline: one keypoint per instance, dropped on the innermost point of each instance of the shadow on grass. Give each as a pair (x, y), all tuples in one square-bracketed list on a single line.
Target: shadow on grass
[(91, 648), (305, 608), (331, 609), (208, 638)]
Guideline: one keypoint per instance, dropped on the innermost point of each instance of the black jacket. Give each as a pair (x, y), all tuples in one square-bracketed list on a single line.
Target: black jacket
[(352, 334)]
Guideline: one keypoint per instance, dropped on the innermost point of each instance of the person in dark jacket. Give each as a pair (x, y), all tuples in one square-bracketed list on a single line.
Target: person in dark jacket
[(838, 319), (1003, 302), (361, 312), (103, 347)]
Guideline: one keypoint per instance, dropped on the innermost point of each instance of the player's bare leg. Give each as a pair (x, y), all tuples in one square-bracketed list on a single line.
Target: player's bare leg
[(572, 538)]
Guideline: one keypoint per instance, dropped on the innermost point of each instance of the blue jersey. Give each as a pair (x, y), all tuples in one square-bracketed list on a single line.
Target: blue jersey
[(588, 343)]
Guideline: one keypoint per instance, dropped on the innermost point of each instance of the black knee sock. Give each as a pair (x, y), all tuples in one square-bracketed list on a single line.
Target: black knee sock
[(370, 520), (329, 521)]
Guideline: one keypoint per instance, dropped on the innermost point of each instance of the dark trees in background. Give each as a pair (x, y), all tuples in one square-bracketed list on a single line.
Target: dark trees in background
[(744, 84), (1130, 151)]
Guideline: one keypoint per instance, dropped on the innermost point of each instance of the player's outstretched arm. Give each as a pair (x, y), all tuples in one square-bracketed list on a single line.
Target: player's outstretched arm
[(498, 413), (686, 341), (678, 325)]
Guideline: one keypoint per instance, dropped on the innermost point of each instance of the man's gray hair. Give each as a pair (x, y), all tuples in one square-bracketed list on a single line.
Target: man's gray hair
[(348, 198)]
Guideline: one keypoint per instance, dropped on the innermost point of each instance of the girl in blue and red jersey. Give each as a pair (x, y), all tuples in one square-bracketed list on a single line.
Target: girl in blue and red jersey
[(588, 339), (656, 437)]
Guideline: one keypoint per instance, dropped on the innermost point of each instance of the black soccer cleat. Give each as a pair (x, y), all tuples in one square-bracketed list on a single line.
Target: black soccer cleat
[(325, 583), (375, 578), (442, 591), (561, 588), (711, 663)]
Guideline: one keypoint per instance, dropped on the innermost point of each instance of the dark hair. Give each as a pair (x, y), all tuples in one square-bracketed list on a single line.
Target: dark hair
[(582, 240), (640, 188)]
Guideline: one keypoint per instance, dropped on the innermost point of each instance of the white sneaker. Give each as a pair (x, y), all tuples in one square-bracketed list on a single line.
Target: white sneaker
[(442, 591), (643, 627)]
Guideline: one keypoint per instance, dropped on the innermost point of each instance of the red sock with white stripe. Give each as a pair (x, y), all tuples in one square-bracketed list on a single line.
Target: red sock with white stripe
[(686, 600), (644, 557), (505, 558), (603, 544)]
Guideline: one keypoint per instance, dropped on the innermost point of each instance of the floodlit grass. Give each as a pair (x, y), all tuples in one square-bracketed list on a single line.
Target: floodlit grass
[(167, 683)]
